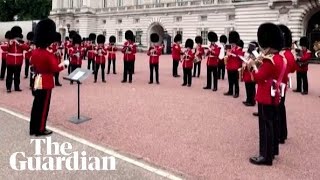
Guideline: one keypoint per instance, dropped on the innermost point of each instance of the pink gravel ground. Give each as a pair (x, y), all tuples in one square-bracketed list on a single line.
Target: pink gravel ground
[(200, 134)]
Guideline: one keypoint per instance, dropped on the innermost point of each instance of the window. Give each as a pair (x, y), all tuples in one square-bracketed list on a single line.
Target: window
[(104, 33), (156, 1), (178, 19), (119, 35), (81, 3), (104, 21), (204, 35), (77, 30), (104, 3), (71, 3), (178, 31), (203, 18), (179, 2), (77, 21), (231, 17), (119, 21), (136, 21), (138, 36), (120, 3), (139, 2)]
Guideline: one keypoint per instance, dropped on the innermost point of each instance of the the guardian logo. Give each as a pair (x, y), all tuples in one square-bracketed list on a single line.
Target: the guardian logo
[(58, 157)]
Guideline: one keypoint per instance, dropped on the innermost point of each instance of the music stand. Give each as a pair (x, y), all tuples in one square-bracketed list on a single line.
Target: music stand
[(78, 75)]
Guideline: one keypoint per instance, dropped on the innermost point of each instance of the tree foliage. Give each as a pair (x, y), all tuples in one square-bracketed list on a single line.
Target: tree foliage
[(24, 9)]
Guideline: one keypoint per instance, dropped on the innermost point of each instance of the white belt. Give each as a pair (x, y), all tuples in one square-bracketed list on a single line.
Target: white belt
[(15, 54)]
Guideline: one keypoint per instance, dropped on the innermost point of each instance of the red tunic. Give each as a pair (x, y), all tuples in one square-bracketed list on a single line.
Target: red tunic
[(213, 55), (291, 64), (176, 52), (233, 61), (101, 53), (306, 56), (91, 51), (269, 71), (15, 53), (154, 57), (27, 55), (4, 47), (76, 55), (199, 51), (45, 64), (56, 50), (112, 49), (129, 49), (247, 76), (187, 59)]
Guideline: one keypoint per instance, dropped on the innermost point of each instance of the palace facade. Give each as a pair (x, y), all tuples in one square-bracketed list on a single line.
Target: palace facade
[(187, 17)]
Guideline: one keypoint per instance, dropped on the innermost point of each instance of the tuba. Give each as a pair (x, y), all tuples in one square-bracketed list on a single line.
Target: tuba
[(316, 47)]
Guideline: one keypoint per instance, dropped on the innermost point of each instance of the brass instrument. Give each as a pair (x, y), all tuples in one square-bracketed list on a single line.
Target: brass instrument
[(197, 58), (316, 47)]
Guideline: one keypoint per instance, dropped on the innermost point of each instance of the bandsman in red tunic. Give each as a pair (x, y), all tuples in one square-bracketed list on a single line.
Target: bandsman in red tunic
[(233, 64), (91, 46), (4, 46), (15, 58), (57, 48), (302, 64), (187, 63), (100, 59), (212, 62), (221, 66), (154, 53), (269, 78), (112, 49), (67, 44), (176, 54), (27, 55), (129, 50), (199, 52), (45, 66)]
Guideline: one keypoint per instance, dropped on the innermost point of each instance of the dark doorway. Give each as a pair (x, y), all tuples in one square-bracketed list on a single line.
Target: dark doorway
[(313, 31)]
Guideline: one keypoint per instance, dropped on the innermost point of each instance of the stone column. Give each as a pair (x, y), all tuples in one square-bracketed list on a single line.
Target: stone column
[(65, 3), (54, 4)]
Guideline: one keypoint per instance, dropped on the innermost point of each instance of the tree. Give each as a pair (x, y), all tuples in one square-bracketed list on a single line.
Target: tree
[(24, 9)]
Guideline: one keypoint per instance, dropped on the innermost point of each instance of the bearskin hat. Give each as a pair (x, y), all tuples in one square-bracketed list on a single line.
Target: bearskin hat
[(134, 38), (76, 39), (8, 35), (92, 37), (57, 37), (189, 43), (112, 39), (16, 32), (129, 35), (72, 34), (252, 46), (101, 39), (198, 40), (304, 41), (234, 37), (67, 38), (212, 36), (287, 35), (45, 33), (30, 36), (154, 37), (240, 43), (270, 36), (177, 38), (223, 39)]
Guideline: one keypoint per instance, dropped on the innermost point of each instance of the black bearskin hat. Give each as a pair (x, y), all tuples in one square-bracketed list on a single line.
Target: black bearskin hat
[(234, 37), (67, 38), (189, 43), (45, 33), (16, 32), (72, 34), (92, 37), (8, 35), (252, 46), (129, 35), (212, 36), (240, 43), (287, 35), (101, 39), (30, 36), (134, 38), (154, 37), (57, 37), (223, 39), (76, 39), (198, 40), (304, 41), (270, 36), (112, 39), (177, 38)]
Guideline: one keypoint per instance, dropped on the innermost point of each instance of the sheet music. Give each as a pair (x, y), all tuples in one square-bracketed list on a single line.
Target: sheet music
[(78, 75)]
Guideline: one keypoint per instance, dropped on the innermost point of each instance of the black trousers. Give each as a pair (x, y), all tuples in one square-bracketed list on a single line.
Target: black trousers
[(3, 68), (66, 55), (197, 67), (187, 76), (267, 136), (156, 68), (282, 118), (13, 71), (251, 92), (103, 66), (128, 70), (32, 77), (175, 67), (133, 66), (40, 110), (113, 61), (302, 81), (26, 67), (233, 78), (212, 77), (91, 61), (221, 70), (56, 78)]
